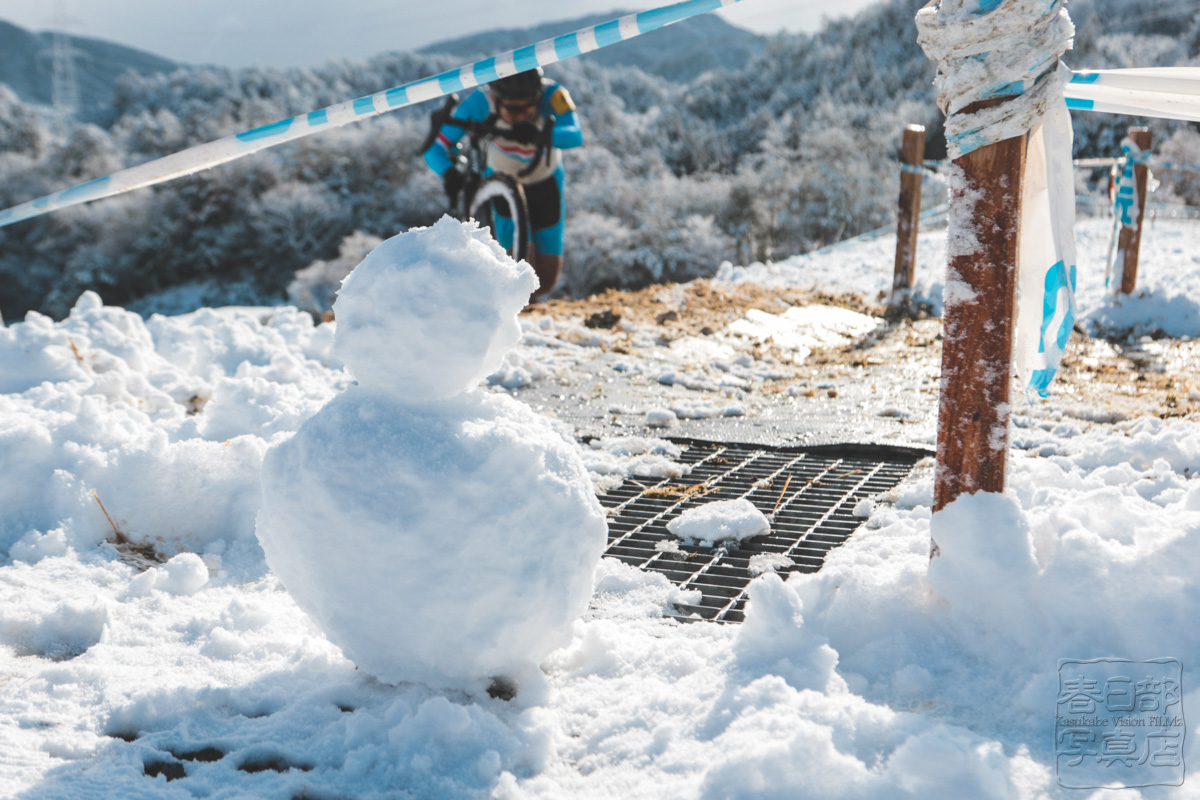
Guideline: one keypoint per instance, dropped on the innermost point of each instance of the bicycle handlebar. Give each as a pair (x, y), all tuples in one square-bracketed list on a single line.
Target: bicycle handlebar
[(485, 129), (437, 119)]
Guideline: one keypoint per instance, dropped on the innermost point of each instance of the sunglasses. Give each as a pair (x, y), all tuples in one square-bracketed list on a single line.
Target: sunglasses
[(518, 106)]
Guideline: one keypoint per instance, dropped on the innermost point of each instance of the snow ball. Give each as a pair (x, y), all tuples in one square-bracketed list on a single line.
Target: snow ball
[(431, 312), (442, 543), (720, 520), (864, 507), (185, 574), (88, 301), (661, 418)]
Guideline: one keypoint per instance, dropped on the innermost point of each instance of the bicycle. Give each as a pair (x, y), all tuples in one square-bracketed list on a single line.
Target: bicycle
[(481, 197)]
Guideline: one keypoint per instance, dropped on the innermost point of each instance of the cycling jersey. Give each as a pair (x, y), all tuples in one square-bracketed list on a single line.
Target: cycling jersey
[(504, 154)]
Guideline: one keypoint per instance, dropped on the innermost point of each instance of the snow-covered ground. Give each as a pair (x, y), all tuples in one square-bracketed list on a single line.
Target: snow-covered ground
[(885, 675)]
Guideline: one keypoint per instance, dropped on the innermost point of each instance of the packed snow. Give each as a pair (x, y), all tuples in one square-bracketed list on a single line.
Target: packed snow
[(720, 521), (148, 649), (434, 532)]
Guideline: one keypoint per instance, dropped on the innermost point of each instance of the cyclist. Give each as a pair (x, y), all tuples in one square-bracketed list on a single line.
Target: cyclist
[(519, 108)]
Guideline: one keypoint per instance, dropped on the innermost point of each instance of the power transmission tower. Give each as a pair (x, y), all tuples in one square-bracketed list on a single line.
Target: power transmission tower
[(64, 84)]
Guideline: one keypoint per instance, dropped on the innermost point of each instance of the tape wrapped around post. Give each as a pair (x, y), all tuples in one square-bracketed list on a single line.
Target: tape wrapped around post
[(993, 49), (1000, 77), (221, 151)]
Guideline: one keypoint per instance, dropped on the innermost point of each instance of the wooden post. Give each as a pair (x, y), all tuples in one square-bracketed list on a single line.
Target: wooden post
[(1129, 241), (912, 157), (978, 321)]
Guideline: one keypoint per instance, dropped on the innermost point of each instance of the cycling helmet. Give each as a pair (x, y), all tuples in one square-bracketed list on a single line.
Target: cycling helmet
[(522, 86)]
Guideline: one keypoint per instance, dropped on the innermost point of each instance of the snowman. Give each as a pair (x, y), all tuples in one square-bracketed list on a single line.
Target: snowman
[(436, 532)]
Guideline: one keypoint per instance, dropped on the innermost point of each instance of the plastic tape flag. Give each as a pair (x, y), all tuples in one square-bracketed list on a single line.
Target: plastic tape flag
[(224, 150), (1168, 92), (1046, 282)]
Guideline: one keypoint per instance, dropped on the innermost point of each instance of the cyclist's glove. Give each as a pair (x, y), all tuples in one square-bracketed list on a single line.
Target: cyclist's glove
[(452, 182), (524, 132)]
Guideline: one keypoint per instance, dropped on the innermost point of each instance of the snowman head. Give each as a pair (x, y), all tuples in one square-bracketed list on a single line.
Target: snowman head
[(431, 312)]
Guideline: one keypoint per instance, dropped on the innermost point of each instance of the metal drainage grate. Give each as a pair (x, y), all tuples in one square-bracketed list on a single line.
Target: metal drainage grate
[(808, 493)]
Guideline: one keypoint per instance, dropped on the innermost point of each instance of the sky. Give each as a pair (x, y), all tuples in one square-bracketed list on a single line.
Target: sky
[(285, 33)]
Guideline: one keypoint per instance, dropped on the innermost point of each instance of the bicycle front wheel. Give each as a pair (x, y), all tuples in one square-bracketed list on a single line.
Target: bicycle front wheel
[(500, 195)]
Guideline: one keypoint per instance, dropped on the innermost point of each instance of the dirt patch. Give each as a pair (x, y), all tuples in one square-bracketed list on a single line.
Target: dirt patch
[(698, 308), (1098, 378), (1156, 377)]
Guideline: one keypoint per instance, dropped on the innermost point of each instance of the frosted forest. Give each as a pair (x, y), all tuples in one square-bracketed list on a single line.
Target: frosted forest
[(678, 173)]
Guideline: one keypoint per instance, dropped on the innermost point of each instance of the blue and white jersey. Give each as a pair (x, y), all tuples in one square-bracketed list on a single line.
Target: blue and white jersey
[(504, 154)]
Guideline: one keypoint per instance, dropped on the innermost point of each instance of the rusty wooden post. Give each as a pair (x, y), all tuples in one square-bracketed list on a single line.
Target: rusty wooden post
[(1129, 241), (912, 157), (978, 321)]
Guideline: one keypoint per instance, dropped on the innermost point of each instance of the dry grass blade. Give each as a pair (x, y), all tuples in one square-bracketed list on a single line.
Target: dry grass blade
[(683, 492), (75, 350), (786, 484), (116, 531), (143, 556)]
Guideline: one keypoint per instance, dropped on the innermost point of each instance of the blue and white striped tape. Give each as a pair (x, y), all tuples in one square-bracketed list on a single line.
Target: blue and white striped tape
[(201, 157), (1167, 92), (1167, 166)]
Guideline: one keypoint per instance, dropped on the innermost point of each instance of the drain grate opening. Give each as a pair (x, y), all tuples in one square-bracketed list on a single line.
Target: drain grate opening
[(808, 493)]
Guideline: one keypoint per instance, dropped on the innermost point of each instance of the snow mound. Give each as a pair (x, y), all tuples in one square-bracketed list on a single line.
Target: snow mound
[(431, 312)]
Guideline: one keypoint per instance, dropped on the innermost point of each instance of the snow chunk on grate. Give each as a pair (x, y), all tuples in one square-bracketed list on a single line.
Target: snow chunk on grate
[(723, 520)]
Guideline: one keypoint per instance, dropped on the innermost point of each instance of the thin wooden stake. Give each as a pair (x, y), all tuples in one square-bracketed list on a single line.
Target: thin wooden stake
[(1130, 239), (908, 214), (978, 322)]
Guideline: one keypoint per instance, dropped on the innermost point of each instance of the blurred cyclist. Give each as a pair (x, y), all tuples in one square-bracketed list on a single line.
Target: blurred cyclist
[(519, 108)]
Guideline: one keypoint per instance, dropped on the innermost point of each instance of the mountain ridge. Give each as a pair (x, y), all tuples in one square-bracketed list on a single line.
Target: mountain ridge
[(678, 51), (26, 66)]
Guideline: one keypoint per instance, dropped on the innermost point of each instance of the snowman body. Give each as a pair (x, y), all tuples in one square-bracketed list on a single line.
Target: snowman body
[(434, 531)]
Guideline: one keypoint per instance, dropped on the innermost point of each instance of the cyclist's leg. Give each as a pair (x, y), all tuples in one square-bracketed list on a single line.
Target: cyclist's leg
[(504, 230), (546, 214), (502, 225)]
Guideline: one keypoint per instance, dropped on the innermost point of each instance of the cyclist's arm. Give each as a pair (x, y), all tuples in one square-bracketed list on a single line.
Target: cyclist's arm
[(567, 133), (438, 155)]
